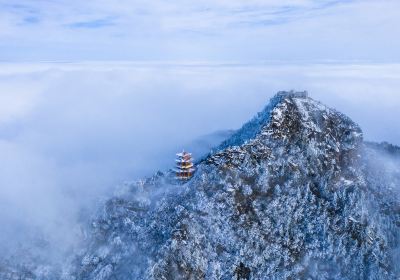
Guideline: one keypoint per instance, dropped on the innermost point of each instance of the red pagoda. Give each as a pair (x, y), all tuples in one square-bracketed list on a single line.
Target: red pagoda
[(184, 166)]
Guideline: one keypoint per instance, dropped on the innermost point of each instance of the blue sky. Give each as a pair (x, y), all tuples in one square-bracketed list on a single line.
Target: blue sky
[(205, 30)]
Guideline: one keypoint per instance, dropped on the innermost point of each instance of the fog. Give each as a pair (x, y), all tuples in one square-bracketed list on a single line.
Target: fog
[(71, 132)]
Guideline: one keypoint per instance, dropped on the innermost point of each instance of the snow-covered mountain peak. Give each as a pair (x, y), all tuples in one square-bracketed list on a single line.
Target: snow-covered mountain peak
[(294, 120), (294, 194), (290, 114), (288, 196)]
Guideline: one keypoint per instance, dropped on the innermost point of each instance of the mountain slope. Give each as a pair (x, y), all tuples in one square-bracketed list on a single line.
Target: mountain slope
[(291, 195), (294, 194)]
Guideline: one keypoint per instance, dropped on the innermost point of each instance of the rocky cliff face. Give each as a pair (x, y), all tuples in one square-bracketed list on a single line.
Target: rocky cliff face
[(294, 194)]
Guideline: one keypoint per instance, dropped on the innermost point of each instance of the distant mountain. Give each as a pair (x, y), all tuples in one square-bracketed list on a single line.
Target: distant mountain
[(294, 194)]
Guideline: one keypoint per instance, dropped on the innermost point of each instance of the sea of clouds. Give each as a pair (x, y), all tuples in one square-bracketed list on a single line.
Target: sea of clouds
[(71, 132)]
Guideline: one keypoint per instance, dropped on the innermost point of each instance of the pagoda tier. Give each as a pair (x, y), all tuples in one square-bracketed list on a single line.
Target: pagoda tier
[(184, 166), (184, 154), (180, 161), (191, 170)]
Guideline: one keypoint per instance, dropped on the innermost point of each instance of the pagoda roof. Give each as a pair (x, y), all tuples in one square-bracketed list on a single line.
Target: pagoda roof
[(185, 166), (184, 160), (182, 154), (183, 177), (184, 170)]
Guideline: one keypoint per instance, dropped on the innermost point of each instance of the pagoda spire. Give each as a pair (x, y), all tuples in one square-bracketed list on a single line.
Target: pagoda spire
[(184, 165)]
